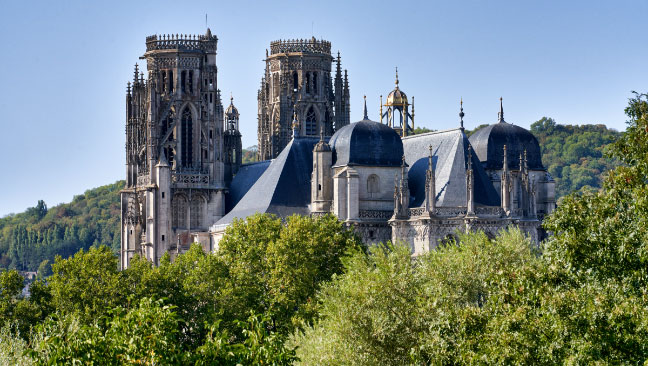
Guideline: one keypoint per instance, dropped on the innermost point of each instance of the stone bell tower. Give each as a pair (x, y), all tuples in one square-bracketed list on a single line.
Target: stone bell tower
[(298, 80), (174, 147)]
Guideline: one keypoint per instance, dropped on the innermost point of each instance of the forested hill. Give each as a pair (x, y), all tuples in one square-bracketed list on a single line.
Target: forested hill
[(38, 234), (574, 154)]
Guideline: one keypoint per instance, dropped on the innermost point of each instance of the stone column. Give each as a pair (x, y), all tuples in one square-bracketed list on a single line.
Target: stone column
[(340, 195), (353, 193)]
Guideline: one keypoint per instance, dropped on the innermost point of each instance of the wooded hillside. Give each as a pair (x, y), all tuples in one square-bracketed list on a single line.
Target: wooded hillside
[(38, 234)]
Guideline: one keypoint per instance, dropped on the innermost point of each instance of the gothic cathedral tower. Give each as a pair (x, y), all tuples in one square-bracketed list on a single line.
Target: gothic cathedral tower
[(174, 147), (298, 81)]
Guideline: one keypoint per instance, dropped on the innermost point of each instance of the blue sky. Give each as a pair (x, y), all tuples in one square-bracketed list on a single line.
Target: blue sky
[(65, 65)]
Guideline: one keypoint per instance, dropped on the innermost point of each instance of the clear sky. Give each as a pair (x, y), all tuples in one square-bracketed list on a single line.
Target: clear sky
[(65, 64)]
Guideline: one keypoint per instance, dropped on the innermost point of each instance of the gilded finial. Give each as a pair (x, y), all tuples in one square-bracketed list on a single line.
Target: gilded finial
[(396, 76)]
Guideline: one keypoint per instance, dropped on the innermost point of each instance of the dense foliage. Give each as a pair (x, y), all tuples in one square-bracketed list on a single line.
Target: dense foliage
[(574, 155), (233, 307), (39, 234)]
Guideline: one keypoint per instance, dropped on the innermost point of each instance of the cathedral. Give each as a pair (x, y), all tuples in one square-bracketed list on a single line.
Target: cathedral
[(185, 182)]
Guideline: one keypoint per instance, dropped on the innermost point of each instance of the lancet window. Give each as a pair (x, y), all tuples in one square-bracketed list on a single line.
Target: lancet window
[(196, 212), (187, 140), (311, 122), (179, 212)]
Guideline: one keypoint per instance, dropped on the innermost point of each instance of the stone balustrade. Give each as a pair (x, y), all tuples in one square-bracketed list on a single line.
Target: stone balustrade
[(300, 45), (185, 42)]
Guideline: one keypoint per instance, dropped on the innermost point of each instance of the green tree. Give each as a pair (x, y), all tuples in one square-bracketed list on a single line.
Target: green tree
[(44, 269), (144, 335), (390, 310), (420, 130), (88, 283), (13, 348), (275, 269), (192, 284), (11, 285), (574, 155), (259, 346), (604, 234)]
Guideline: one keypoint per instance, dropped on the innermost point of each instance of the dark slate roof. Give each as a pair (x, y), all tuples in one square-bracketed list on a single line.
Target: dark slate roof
[(489, 145), (284, 187), (366, 143), (449, 156), (247, 175)]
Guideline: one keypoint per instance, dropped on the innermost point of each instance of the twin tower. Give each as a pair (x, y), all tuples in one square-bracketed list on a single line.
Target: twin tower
[(298, 86), (183, 147)]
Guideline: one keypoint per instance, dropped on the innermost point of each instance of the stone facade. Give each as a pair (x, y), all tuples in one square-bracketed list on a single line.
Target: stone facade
[(175, 147), (298, 80)]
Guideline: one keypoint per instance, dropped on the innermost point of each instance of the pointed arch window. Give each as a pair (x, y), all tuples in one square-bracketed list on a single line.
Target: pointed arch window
[(179, 212), (295, 81), (196, 212), (187, 138), (311, 122)]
